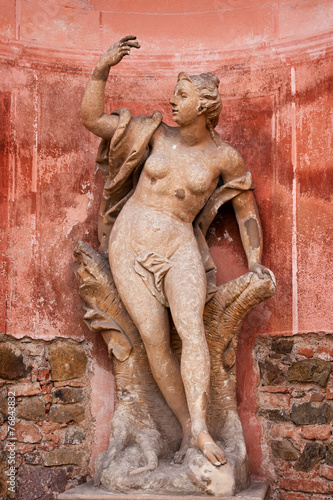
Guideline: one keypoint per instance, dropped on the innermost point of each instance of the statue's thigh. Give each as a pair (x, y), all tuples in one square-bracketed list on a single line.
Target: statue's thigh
[(148, 314), (185, 285)]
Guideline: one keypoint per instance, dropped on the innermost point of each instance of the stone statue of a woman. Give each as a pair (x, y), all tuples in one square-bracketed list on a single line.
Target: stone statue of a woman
[(161, 190)]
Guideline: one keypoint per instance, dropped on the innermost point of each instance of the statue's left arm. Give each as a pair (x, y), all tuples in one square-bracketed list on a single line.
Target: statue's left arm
[(247, 216)]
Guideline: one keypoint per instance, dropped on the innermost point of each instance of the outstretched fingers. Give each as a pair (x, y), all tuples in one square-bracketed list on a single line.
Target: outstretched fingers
[(127, 37), (129, 41)]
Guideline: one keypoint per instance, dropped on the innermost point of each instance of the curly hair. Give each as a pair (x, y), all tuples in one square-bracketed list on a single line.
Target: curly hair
[(207, 86)]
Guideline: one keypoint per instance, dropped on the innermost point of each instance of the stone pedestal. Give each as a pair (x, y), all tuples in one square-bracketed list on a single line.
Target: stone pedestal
[(257, 491)]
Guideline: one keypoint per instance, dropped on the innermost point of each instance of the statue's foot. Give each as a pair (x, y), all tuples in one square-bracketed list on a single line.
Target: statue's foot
[(179, 456), (210, 449)]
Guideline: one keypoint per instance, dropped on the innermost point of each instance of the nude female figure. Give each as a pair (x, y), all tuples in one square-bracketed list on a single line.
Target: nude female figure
[(180, 175)]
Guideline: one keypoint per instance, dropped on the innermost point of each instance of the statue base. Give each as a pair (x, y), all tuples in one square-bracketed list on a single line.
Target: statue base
[(257, 491)]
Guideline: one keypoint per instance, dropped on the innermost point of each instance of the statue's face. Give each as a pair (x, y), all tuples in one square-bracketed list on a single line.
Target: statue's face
[(185, 103)]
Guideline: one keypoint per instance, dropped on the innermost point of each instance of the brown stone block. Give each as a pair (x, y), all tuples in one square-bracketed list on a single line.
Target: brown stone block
[(66, 413), (329, 455), (63, 457), (31, 409), (67, 361), (306, 413), (282, 345), (310, 370), (74, 435), (284, 450), (68, 395), (271, 374), (12, 366), (312, 454)]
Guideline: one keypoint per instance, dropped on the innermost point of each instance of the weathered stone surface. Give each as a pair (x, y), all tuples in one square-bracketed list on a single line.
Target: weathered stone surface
[(24, 447), (74, 435), (67, 361), (305, 413), (326, 472), (28, 433), (66, 413), (322, 432), (284, 449), (282, 345), (33, 458), (4, 402), (31, 409), (43, 374), (63, 457), (306, 351), (39, 482), (271, 374), (68, 395), (329, 455), (257, 491), (310, 370), (317, 397), (26, 389), (3, 477), (277, 400), (12, 366), (276, 415), (312, 454), (3, 431)]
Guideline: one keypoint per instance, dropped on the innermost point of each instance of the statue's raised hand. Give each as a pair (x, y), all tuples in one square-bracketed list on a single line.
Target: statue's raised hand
[(117, 51)]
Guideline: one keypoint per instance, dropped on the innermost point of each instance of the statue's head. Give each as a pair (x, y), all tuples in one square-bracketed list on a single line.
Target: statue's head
[(207, 86)]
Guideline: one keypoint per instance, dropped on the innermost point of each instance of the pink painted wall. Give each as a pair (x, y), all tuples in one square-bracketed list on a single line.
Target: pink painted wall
[(274, 60)]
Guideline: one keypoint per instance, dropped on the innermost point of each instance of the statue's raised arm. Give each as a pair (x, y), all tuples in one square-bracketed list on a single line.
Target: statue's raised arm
[(92, 112)]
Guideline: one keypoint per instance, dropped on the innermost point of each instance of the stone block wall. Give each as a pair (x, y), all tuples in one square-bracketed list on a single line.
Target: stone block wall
[(52, 425), (295, 408)]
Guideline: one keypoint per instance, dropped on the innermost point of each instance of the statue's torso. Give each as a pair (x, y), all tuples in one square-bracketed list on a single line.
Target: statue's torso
[(178, 179)]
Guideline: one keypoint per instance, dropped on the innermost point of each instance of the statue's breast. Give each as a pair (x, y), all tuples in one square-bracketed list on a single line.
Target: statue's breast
[(157, 166), (198, 179), (179, 171)]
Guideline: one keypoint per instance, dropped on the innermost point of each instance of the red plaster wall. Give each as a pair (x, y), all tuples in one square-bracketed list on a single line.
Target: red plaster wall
[(274, 60)]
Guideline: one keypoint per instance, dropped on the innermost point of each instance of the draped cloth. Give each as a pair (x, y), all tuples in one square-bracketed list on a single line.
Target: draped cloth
[(121, 160)]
